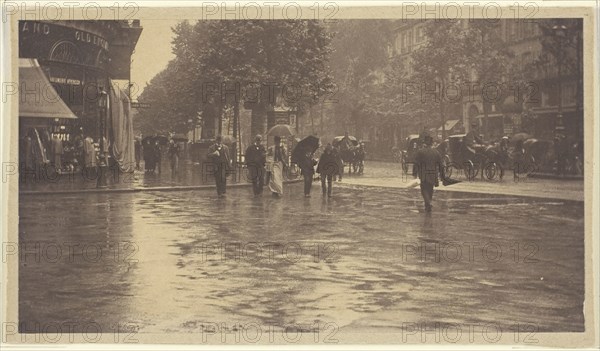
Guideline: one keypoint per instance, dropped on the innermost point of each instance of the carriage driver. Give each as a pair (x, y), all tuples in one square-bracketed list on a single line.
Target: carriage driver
[(472, 140)]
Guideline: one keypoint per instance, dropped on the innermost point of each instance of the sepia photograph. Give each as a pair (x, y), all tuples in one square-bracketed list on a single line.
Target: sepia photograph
[(300, 175)]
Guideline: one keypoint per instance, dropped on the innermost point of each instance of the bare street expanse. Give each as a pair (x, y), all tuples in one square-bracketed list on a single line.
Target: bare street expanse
[(368, 258)]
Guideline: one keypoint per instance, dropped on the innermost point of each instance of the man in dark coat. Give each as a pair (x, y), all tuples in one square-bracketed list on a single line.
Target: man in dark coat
[(327, 168), (428, 164), (157, 155), (256, 157), (472, 140), (218, 154), (173, 151), (307, 166), (137, 152), (337, 156)]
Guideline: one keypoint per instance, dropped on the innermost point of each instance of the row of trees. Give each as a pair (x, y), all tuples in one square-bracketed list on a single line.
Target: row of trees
[(468, 54), (348, 57), (258, 59)]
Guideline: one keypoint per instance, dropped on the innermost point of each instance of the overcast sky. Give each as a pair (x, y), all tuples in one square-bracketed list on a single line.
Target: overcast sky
[(152, 53)]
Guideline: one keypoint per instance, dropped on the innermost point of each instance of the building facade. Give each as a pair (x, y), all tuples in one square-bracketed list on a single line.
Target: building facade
[(544, 94), (82, 61)]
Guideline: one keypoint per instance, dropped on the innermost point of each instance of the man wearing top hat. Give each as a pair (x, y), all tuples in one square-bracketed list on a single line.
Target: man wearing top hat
[(472, 140), (427, 166), (256, 157), (218, 153)]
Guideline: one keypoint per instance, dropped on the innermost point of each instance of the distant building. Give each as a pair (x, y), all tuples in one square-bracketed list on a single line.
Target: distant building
[(534, 107)]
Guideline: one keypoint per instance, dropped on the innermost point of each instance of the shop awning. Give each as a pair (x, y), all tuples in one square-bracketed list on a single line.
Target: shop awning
[(37, 97), (491, 115), (451, 123)]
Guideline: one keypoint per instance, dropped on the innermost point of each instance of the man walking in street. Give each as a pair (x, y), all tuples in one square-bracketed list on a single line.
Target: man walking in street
[(327, 168), (218, 153), (255, 158), (428, 164), (307, 166)]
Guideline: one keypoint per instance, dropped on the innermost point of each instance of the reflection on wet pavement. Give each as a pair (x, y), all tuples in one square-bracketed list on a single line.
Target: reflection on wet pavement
[(172, 262)]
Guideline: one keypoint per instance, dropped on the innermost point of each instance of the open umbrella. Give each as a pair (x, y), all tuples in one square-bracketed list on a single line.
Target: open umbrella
[(228, 139), (307, 145), (148, 140), (519, 137), (162, 140), (338, 139), (281, 130)]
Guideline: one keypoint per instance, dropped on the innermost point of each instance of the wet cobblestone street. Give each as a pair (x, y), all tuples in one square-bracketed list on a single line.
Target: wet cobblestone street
[(366, 258)]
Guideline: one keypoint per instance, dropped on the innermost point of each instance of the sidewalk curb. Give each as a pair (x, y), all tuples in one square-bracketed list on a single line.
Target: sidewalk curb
[(464, 191), (141, 189), (554, 176)]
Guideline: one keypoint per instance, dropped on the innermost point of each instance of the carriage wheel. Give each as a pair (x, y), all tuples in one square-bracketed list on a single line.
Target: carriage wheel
[(471, 170), (404, 165), (448, 168), (493, 169)]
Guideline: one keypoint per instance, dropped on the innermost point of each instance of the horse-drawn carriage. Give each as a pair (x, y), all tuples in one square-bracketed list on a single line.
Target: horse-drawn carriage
[(472, 159), (413, 143), (352, 153), (521, 153)]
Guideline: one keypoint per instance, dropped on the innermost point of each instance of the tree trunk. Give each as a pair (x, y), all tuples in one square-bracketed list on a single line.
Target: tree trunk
[(220, 119), (312, 119), (486, 131), (236, 119), (258, 124), (322, 103)]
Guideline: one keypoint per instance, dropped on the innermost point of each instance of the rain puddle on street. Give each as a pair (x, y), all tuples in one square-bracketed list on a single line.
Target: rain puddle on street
[(178, 261)]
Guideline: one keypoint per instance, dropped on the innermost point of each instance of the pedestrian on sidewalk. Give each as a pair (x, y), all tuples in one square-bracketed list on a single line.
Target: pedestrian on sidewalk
[(278, 154), (327, 168), (306, 164), (218, 154), (89, 153), (138, 152), (255, 158), (337, 156), (173, 152), (148, 150), (57, 151), (428, 164), (157, 156)]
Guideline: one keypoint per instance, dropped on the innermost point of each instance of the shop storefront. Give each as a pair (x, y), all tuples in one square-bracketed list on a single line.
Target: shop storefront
[(79, 60)]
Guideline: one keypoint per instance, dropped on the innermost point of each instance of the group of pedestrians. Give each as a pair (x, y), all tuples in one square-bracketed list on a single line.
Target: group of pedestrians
[(39, 148), (152, 152), (270, 163), (267, 166)]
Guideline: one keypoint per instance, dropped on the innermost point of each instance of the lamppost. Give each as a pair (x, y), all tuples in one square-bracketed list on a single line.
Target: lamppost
[(102, 164), (560, 31)]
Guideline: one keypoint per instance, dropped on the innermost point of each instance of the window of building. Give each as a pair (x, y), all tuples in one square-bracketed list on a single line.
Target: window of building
[(419, 35), (568, 94)]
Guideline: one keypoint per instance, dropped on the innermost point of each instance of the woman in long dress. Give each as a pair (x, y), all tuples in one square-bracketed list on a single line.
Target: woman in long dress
[(278, 153)]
